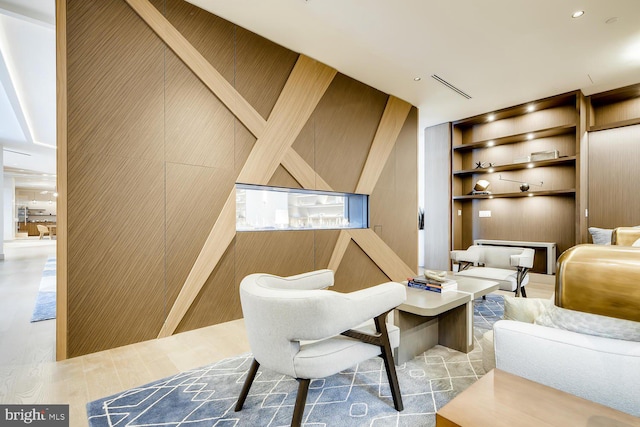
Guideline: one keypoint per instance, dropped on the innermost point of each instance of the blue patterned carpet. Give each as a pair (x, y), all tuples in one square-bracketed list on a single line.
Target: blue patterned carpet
[(357, 397), (45, 307)]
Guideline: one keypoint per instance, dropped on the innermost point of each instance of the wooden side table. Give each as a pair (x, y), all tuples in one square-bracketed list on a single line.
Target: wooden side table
[(503, 399)]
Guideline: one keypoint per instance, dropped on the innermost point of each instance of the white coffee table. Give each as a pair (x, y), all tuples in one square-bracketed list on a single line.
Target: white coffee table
[(428, 318)]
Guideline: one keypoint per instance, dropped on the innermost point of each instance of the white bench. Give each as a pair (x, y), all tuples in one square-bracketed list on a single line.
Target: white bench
[(549, 246), (506, 265)]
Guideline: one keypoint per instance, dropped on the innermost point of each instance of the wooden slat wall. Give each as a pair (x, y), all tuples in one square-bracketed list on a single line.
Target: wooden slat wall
[(168, 107), (613, 177)]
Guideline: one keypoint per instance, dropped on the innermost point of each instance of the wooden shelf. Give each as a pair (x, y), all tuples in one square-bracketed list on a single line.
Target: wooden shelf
[(517, 166), (570, 192), (614, 125), (520, 137)]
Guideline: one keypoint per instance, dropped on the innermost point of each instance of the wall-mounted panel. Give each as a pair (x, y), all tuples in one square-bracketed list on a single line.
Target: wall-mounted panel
[(283, 253), (262, 68), (153, 154), (199, 128), (194, 198), (116, 251), (115, 82), (345, 123), (613, 177), (357, 271), (219, 299), (394, 201)]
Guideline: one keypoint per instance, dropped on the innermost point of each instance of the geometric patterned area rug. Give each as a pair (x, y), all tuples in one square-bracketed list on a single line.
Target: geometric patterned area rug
[(356, 397), (45, 307)]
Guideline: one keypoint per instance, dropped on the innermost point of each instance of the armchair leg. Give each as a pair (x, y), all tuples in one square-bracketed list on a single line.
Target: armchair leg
[(301, 399), (522, 272), (387, 357), (253, 370)]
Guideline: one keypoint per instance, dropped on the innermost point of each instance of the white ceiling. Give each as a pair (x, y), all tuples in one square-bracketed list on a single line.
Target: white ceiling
[(28, 91), (501, 52)]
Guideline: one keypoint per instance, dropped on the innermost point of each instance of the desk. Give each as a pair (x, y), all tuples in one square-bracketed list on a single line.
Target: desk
[(500, 399), (428, 318), (549, 246)]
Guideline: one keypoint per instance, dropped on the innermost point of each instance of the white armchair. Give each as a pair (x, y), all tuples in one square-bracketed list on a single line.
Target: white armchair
[(298, 328), (506, 265)]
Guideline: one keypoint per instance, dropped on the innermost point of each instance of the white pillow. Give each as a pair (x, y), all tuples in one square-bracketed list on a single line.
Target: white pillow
[(601, 236), (525, 309), (589, 324)]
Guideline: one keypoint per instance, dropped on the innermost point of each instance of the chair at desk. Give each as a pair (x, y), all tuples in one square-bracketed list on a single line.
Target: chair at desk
[(42, 229)]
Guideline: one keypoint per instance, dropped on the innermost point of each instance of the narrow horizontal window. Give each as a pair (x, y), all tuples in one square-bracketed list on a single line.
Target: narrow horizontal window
[(262, 208)]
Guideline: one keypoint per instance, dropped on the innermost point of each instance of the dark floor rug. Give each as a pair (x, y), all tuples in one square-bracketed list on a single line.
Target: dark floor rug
[(356, 397)]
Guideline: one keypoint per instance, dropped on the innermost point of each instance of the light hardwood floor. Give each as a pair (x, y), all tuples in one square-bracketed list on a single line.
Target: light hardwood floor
[(30, 374)]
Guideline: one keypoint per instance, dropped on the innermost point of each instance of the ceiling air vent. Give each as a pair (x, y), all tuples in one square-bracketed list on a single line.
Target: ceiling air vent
[(450, 86)]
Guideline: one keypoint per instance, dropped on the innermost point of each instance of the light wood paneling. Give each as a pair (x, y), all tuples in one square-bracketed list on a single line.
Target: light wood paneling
[(621, 111), (116, 253), (339, 250), (282, 178), (199, 128), (357, 271), (177, 116), (284, 253), (194, 197), (305, 87), (212, 36), (382, 255), (115, 82), (613, 176), (391, 123), (217, 242), (437, 198), (303, 172), (346, 121), (219, 299), (324, 244), (262, 69), (61, 180), (199, 65), (303, 90)]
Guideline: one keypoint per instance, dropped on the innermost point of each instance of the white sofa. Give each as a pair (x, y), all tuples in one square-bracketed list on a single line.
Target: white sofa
[(506, 265), (603, 370), (588, 342)]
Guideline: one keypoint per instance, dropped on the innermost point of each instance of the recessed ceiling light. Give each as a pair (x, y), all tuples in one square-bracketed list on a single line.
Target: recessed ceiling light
[(577, 14), (491, 143), (491, 117), (530, 165), (530, 195), (530, 136), (417, 79), (530, 108)]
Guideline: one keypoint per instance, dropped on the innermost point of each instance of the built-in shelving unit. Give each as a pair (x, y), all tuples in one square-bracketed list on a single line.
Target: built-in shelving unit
[(614, 109), (534, 143)]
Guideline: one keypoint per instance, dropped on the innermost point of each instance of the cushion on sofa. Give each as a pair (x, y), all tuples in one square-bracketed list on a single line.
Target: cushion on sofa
[(525, 309), (589, 324), (600, 236)]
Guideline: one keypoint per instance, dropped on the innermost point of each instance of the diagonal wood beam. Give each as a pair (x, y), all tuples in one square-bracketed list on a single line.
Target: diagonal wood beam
[(302, 172), (306, 85), (220, 237), (338, 252), (193, 59), (393, 118), (307, 82), (381, 254)]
